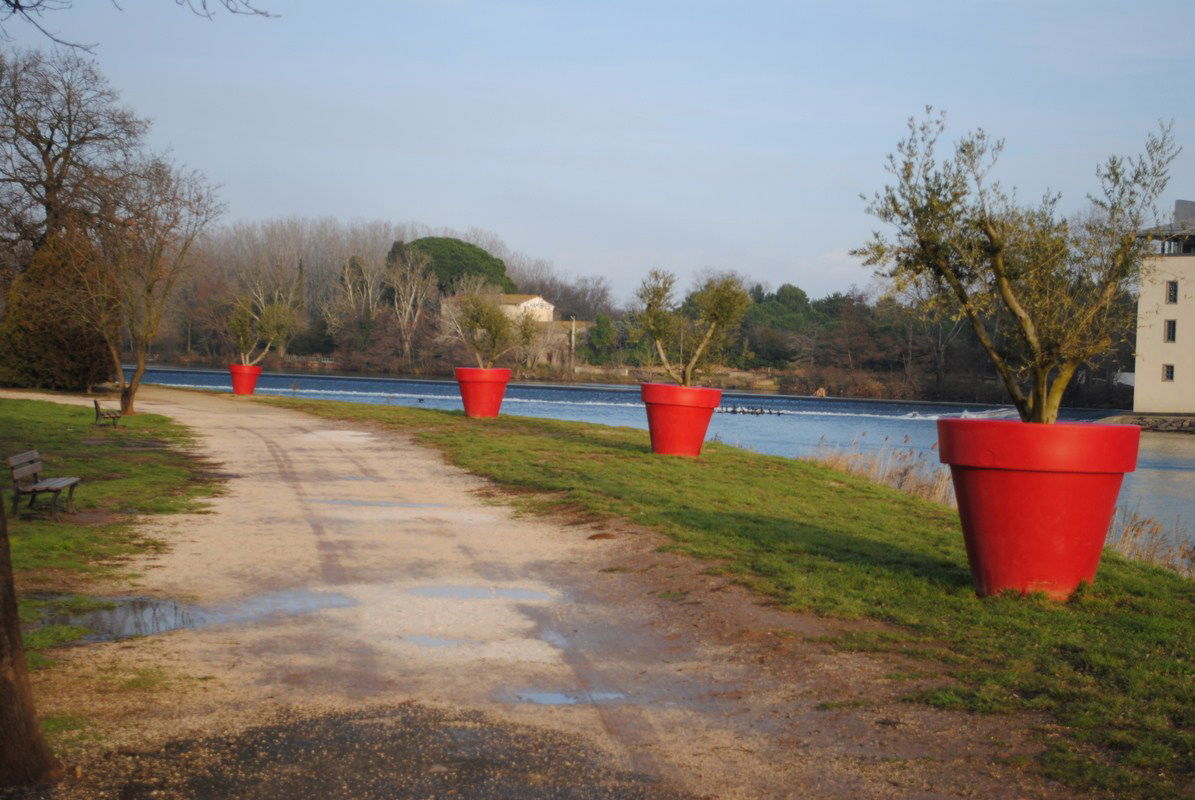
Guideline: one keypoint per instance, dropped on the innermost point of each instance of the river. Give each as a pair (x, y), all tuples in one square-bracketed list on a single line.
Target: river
[(1163, 487)]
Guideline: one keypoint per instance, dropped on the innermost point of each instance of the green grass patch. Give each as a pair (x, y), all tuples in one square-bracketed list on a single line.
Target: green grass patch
[(36, 608), (144, 466), (68, 734), (63, 723), (140, 467), (835, 705), (1115, 666), (49, 636)]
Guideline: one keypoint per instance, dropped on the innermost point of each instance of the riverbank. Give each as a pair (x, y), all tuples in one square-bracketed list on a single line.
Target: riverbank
[(1113, 668), (1157, 423)]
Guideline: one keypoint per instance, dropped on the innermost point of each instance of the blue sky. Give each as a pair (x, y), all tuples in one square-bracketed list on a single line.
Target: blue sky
[(612, 137)]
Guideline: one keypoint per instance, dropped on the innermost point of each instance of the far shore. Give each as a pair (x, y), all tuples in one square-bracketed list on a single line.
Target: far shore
[(631, 385)]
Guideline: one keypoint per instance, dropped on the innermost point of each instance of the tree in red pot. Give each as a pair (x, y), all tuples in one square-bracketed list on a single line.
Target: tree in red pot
[(684, 337), (256, 326), (1044, 295), (473, 315)]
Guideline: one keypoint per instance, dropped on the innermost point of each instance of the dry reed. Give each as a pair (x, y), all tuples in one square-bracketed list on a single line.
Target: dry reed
[(909, 469), (1145, 539)]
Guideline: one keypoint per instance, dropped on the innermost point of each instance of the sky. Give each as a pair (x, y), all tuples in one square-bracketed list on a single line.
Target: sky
[(616, 136)]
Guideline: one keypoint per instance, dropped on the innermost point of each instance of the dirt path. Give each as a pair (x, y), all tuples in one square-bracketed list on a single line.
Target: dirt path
[(442, 644)]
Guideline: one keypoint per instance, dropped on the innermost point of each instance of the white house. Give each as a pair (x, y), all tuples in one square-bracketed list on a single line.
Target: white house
[(516, 305), (1164, 382)]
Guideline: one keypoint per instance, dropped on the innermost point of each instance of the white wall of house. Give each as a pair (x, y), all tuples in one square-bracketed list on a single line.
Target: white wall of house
[(1164, 382), (516, 306)]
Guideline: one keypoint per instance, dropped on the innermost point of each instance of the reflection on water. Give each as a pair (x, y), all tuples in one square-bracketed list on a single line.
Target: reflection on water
[(541, 697), (1163, 486), (144, 616)]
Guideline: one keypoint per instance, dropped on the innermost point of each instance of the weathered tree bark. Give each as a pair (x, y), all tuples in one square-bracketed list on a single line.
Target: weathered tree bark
[(25, 758)]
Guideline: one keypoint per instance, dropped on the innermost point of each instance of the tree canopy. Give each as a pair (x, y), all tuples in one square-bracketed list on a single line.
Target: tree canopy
[(453, 259), (1042, 292)]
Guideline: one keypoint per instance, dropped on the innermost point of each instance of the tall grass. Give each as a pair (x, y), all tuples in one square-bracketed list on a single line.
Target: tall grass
[(918, 472), (1145, 539), (909, 469)]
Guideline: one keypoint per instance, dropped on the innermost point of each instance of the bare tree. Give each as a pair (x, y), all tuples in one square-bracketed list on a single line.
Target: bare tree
[(939, 324), (129, 262), (33, 12), (25, 759), (412, 287), (61, 126), (535, 339)]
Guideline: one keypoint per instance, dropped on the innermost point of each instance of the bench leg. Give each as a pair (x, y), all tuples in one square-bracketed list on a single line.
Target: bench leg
[(70, 499), (16, 500), (54, 505)]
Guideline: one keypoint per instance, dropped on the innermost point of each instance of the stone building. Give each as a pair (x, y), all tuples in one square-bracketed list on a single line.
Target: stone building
[(1164, 379)]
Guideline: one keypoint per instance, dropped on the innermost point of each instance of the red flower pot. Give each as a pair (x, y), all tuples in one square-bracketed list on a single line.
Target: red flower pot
[(678, 417), (244, 379), (482, 390), (1035, 500)]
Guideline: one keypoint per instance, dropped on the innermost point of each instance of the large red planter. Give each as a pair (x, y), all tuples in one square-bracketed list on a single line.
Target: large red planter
[(1035, 500), (244, 379), (678, 417), (482, 390)]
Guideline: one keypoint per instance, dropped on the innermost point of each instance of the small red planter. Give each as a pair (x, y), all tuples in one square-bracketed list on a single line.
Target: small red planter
[(1035, 500), (482, 390), (244, 379), (678, 417)]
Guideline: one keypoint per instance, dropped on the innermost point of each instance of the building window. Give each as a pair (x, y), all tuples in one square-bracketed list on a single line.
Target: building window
[(1170, 330), (1171, 291), (1167, 372)]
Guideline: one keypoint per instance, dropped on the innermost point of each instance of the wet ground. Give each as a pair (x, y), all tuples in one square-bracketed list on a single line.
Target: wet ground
[(354, 599), (129, 617)]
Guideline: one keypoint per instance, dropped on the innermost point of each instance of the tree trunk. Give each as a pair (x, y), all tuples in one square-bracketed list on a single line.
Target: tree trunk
[(25, 758), (128, 393)]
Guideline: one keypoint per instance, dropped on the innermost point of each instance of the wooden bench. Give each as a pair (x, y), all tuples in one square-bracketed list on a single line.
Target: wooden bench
[(26, 479), (103, 415)]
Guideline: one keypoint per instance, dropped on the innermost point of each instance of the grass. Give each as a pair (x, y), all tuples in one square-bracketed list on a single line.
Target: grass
[(141, 467), (1115, 667)]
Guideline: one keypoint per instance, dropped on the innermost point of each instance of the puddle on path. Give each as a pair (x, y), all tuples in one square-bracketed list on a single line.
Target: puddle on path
[(375, 503), (434, 641), (145, 616), (479, 592), (541, 697)]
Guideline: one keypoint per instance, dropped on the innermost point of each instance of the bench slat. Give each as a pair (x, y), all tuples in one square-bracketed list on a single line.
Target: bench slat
[(21, 458), (26, 470), (51, 485)]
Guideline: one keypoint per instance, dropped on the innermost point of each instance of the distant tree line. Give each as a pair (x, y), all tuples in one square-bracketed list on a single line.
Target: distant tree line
[(109, 255)]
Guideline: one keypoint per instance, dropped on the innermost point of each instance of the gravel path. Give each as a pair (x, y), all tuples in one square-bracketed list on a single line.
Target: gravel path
[(402, 633)]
